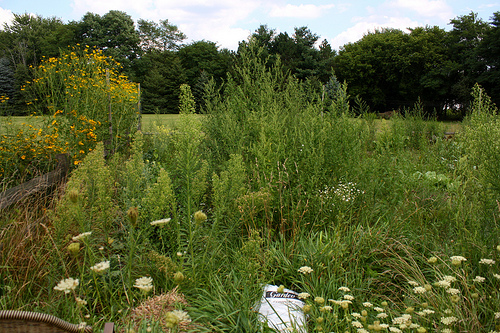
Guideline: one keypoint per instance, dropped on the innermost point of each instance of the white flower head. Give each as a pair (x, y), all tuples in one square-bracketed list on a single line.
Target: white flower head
[(182, 315), (305, 270), (479, 279), (367, 304), (356, 315), (457, 260), (453, 291), (160, 222), (67, 285), (344, 289), (304, 295), (144, 283), (413, 283), (349, 297), (419, 290), (488, 262), (449, 278), (448, 320), (81, 302), (82, 236), (100, 267)]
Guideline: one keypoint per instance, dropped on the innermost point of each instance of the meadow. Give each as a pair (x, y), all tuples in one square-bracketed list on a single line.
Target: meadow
[(379, 225)]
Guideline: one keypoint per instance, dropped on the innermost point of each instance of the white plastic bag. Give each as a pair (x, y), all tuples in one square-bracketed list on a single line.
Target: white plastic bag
[(282, 311)]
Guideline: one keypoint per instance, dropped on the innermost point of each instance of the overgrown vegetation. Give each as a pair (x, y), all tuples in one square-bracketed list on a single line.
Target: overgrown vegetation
[(393, 230)]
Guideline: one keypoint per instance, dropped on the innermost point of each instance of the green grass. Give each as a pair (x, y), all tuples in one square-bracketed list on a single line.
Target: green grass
[(148, 120)]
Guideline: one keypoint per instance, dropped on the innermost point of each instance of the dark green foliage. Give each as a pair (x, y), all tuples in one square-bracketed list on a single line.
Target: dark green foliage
[(489, 50), (160, 88), (463, 42), (114, 32), (6, 81), (161, 36), (297, 53)]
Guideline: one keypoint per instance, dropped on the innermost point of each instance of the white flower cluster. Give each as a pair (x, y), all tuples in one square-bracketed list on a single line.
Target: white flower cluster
[(100, 267), (419, 290), (67, 285), (304, 295), (144, 283), (488, 262), (81, 236), (448, 320), (457, 260), (160, 222), (305, 270), (346, 192)]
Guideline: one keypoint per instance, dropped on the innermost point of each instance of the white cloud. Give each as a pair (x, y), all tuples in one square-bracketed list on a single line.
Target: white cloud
[(426, 8), (299, 11), (371, 24), (6, 16), (199, 19)]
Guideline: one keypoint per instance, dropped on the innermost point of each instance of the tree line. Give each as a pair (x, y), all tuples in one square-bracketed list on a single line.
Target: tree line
[(387, 69)]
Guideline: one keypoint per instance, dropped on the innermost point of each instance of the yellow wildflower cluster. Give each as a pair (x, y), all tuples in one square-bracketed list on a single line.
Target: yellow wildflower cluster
[(29, 146), (77, 93)]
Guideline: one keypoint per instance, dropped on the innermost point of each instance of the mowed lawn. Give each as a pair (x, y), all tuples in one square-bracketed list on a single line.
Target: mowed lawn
[(8, 125)]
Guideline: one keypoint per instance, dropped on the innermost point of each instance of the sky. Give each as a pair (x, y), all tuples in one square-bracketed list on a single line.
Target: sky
[(227, 22)]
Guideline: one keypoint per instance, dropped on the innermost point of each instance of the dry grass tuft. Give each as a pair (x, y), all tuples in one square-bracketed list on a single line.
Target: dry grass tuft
[(155, 308)]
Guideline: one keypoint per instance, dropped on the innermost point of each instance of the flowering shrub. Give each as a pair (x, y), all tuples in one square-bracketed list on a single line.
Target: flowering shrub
[(88, 101)]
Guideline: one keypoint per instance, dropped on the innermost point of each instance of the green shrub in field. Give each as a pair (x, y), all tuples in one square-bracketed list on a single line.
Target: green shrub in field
[(481, 138), (290, 145), (228, 187), (88, 200)]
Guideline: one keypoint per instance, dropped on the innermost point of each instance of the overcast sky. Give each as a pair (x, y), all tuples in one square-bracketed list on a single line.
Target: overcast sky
[(227, 22)]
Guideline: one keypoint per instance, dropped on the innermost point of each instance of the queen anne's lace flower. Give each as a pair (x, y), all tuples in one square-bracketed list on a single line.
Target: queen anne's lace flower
[(448, 320), (419, 290), (305, 270), (457, 260), (144, 283), (344, 289), (443, 283), (160, 222), (453, 291), (81, 236), (479, 279), (67, 285), (487, 262), (303, 295), (100, 267)]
